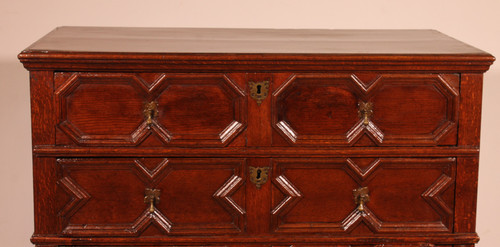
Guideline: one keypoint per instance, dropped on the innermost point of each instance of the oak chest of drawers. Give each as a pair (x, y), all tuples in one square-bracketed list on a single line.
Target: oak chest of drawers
[(228, 137)]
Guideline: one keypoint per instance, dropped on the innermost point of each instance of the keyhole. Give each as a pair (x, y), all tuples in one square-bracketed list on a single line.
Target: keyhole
[(258, 174), (258, 88)]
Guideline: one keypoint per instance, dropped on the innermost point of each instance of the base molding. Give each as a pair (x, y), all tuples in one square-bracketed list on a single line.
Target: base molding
[(442, 240)]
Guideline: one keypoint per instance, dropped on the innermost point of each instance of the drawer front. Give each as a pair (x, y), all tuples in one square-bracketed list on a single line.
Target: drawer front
[(153, 196), (125, 109), (367, 109), (363, 195)]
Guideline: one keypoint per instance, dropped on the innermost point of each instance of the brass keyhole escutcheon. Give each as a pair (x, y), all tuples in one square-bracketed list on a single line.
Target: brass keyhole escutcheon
[(361, 197), (258, 175), (365, 111), (152, 197), (259, 90), (150, 112)]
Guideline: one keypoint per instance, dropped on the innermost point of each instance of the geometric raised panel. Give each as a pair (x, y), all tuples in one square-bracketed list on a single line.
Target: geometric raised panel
[(198, 196), (193, 109), (78, 197), (419, 189), (206, 109), (90, 113), (115, 189), (317, 109), (407, 109), (427, 107), (107, 196)]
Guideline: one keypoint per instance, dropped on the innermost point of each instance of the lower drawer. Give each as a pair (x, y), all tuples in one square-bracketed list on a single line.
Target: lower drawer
[(363, 196), (132, 197), (135, 197)]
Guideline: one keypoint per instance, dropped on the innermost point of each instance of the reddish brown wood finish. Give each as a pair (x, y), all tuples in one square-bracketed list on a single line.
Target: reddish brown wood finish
[(95, 152), (408, 109), (426, 184)]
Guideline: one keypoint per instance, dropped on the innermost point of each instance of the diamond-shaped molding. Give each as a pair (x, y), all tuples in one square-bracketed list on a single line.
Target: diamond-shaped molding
[(293, 195), (363, 176), (147, 91), (356, 217), (365, 87), (224, 193), (150, 178), (433, 194), (147, 218), (74, 82), (79, 197)]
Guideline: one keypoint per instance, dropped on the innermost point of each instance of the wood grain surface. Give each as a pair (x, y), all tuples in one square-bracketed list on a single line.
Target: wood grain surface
[(395, 111)]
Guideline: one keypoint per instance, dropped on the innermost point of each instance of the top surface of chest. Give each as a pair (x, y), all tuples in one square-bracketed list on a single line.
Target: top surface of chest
[(251, 41), (250, 50)]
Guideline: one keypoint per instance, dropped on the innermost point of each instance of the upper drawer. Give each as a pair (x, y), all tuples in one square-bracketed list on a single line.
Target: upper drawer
[(126, 108), (367, 109)]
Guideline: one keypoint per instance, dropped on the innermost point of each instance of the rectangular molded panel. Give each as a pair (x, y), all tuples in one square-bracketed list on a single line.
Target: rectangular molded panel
[(406, 195), (106, 197), (110, 109), (400, 109)]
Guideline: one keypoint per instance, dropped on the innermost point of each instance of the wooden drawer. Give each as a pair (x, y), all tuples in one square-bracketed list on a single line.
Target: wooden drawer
[(406, 195), (364, 109), (111, 109), (107, 196), (110, 197)]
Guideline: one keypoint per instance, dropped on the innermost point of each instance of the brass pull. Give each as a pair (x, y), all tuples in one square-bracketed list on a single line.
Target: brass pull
[(258, 175), (365, 111), (150, 112), (361, 197), (259, 90), (152, 197)]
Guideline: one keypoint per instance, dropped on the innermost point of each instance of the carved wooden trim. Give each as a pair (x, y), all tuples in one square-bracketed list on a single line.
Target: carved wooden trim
[(363, 177), (444, 84), (52, 151), (72, 83), (149, 91), (150, 178), (223, 195)]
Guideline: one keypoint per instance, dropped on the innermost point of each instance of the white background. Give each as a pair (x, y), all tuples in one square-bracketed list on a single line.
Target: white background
[(22, 22)]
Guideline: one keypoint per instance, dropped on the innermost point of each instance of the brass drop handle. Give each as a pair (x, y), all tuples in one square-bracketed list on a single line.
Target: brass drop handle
[(150, 112), (152, 196), (365, 111), (361, 197)]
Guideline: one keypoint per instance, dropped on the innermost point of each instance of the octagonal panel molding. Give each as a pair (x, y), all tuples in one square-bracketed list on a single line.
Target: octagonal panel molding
[(108, 120), (427, 108), (193, 109), (405, 109), (91, 183), (298, 205), (199, 109), (316, 109)]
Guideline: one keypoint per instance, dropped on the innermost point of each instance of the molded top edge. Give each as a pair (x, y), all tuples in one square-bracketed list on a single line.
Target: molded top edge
[(249, 41)]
